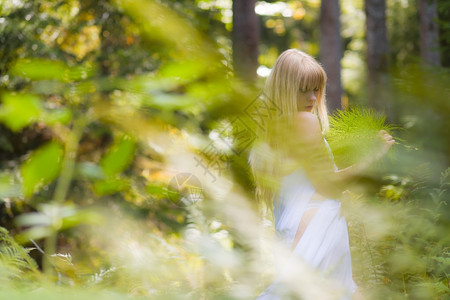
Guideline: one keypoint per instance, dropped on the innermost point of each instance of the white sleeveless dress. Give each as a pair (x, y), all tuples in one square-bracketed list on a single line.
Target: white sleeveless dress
[(324, 244)]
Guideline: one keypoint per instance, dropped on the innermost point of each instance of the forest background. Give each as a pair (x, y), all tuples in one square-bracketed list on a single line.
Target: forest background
[(126, 126)]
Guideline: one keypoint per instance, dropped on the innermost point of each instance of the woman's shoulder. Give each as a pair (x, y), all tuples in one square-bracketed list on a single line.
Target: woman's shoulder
[(307, 119), (308, 125), (305, 115)]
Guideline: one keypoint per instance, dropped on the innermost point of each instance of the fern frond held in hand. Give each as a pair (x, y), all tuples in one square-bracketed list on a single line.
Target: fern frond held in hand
[(353, 134)]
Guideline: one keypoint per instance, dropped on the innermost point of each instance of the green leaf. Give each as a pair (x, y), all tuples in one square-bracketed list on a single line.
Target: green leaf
[(56, 116), (81, 217), (37, 69), (81, 72), (183, 71), (35, 233), (171, 101), (42, 167), (51, 218), (110, 186), (119, 156), (158, 190), (34, 219), (19, 110), (44, 69)]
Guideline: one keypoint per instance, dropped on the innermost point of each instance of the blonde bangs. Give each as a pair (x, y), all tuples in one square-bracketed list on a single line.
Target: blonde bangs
[(311, 76)]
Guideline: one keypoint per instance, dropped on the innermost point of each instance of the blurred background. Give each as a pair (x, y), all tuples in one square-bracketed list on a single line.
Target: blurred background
[(125, 130)]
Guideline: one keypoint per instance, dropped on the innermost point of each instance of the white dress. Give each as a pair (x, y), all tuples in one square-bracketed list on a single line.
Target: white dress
[(324, 244)]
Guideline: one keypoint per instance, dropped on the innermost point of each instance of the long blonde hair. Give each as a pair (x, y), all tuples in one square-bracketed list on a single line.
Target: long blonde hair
[(292, 72)]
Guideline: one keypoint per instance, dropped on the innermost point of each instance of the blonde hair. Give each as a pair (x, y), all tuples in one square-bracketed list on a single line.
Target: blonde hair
[(292, 72)]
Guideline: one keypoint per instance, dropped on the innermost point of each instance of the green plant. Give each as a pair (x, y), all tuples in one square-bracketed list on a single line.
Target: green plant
[(353, 134)]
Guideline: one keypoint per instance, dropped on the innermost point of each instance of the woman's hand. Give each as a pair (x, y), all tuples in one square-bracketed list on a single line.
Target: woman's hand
[(387, 140)]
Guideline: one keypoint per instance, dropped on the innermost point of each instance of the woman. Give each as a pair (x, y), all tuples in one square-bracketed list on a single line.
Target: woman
[(294, 170)]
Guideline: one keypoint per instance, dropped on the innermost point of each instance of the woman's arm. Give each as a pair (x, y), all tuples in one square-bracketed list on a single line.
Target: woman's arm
[(356, 169), (310, 150)]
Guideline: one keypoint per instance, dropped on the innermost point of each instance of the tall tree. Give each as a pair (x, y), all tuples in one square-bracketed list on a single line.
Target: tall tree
[(377, 54), (245, 38), (429, 33), (331, 51)]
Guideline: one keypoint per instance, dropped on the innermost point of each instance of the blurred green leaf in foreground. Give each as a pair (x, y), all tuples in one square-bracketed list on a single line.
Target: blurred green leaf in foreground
[(41, 167)]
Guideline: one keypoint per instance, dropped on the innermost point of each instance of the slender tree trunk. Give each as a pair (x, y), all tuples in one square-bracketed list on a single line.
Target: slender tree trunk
[(331, 51), (245, 37), (429, 33), (377, 55), (376, 35)]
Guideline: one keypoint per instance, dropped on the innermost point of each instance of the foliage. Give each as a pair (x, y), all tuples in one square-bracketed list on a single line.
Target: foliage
[(353, 135), (410, 257), (104, 103), (15, 262), (404, 40)]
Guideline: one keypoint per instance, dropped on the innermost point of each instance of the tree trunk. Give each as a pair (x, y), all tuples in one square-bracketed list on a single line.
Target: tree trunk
[(331, 51), (376, 35), (429, 33), (245, 37), (377, 55)]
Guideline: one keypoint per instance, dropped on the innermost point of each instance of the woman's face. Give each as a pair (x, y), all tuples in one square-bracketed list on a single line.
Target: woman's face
[(307, 99)]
